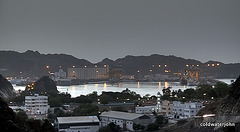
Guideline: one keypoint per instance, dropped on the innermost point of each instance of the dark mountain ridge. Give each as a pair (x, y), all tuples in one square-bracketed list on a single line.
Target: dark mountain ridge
[(33, 64)]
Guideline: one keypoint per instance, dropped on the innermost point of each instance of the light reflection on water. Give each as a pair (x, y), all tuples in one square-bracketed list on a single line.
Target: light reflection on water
[(141, 88)]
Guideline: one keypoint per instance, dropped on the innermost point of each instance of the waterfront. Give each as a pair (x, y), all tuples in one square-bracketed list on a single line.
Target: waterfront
[(141, 88)]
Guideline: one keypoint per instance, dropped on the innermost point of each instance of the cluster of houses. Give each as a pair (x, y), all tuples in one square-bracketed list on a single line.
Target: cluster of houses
[(36, 106)]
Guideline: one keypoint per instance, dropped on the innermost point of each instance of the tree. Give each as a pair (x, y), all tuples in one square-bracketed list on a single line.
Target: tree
[(22, 115), (222, 89), (138, 127), (152, 127)]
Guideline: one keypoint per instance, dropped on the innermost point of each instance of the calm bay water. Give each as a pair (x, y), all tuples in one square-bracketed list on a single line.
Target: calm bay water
[(141, 88)]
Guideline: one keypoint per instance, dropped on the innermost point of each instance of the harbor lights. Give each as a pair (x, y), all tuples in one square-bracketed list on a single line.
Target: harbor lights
[(73, 66), (47, 67)]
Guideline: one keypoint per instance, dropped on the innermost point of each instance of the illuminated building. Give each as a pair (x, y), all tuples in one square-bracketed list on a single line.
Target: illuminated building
[(88, 73)]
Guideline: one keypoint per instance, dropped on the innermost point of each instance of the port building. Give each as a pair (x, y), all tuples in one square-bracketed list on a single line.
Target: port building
[(89, 73)]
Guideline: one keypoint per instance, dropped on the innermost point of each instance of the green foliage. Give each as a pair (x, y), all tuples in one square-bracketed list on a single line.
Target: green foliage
[(203, 92), (222, 89), (124, 96), (138, 127), (85, 110), (22, 115), (152, 127)]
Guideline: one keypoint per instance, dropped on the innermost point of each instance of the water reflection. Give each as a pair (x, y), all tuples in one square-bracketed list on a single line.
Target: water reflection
[(73, 88), (96, 87), (166, 84), (85, 87), (138, 85), (105, 86), (119, 85), (159, 86)]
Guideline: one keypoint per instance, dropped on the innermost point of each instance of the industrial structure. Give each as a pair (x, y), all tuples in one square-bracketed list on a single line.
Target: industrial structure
[(89, 73)]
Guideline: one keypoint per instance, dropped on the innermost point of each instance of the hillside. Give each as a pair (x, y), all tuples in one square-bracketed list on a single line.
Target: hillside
[(33, 64)]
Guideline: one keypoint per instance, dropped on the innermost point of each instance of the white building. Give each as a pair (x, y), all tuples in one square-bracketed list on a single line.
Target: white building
[(192, 108), (36, 104), (78, 124), (124, 120), (145, 109), (87, 73), (186, 110)]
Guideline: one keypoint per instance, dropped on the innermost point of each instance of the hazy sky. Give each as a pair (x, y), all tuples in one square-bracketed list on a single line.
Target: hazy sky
[(96, 29)]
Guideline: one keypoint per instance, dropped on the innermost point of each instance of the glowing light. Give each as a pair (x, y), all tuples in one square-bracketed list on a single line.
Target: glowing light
[(165, 65), (96, 71), (105, 65), (204, 94), (138, 71), (47, 67), (218, 64), (73, 66), (73, 72), (138, 85), (159, 86), (197, 65), (150, 70), (152, 65), (167, 71), (159, 65), (85, 87), (208, 64), (105, 86), (187, 65), (208, 115), (95, 65), (85, 66), (213, 64), (166, 85)]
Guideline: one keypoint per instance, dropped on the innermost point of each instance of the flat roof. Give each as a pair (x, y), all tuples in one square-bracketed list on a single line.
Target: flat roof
[(121, 115), (77, 119)]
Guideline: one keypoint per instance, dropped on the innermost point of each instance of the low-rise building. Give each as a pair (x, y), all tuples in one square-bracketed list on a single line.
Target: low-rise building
[(78, 124), (178, 109), (124, 119), (167, 107), (36, 105), (145, 109), (186, 110), (192, 108)]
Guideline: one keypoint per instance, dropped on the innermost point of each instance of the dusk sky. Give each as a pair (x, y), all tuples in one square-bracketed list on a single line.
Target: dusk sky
[(96, 29)]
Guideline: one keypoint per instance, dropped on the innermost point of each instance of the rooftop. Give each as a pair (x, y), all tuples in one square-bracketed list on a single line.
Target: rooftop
[(121, 115), (77, 119)]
